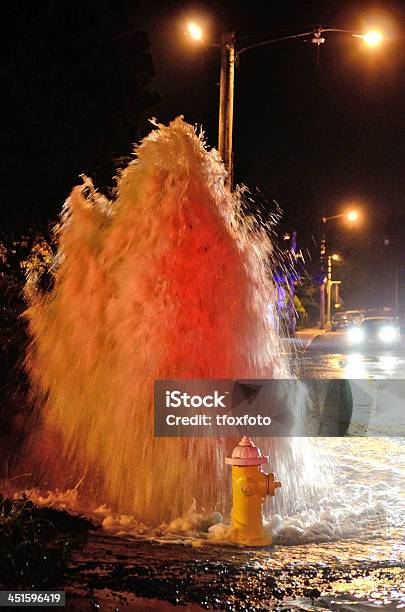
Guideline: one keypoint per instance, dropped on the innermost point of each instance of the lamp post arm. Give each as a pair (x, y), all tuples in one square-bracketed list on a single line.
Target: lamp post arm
[(326, 219), (270, 42), (315, 32), (339, 30)]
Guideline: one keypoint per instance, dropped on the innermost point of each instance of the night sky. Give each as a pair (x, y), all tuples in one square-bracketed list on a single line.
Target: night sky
[(302, 132), (314, 136)]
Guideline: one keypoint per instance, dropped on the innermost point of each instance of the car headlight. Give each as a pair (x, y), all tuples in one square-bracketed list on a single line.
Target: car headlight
[(388, 333), (355, 335)]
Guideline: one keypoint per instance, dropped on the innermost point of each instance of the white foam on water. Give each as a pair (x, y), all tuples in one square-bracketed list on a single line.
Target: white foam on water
[(365, 499)]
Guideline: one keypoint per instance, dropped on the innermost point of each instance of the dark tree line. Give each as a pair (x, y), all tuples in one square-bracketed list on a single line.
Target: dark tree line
[(77, 81)]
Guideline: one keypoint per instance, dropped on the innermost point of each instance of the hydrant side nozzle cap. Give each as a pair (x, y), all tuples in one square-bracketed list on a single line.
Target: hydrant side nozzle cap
[(246, 453)]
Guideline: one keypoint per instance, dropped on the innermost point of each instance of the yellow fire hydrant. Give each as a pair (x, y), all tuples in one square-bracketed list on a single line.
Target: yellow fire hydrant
[(250, 487)]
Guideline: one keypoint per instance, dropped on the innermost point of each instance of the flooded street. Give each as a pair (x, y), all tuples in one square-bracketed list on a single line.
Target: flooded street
[(363, 569), (330, 356), (127, 573)]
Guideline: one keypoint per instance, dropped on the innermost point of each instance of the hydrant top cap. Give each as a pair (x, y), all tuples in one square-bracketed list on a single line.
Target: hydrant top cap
[(246, 453)]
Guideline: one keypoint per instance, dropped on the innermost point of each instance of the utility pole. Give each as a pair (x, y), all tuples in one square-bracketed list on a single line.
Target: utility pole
[(322, 287), (226, 97), (393, 259), (352, 215), (329, 289), (227, 80), (329, 285), (396, 290), (337, 297)]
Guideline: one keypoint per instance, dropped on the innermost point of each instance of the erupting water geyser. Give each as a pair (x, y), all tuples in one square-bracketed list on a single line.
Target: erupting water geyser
[(167, 280)]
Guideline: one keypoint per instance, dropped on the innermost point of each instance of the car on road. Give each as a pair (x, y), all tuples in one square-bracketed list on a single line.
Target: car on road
[(382, 331), (340, 320), (356, 316)]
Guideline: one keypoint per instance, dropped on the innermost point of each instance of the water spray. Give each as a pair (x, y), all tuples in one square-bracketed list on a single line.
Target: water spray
[(149, 286), (250, 487)]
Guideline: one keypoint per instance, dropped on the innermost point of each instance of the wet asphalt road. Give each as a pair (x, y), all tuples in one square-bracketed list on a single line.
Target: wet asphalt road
[(330, 356), (115, 574), (358, 571)]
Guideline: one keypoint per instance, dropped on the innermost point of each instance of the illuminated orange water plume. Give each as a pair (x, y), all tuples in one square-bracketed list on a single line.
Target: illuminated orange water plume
[(166, 281)]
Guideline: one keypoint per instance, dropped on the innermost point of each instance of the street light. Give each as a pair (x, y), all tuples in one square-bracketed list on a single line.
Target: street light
[(352, 216), (330, 283), (372, 38), (230, 56), (195, 31)]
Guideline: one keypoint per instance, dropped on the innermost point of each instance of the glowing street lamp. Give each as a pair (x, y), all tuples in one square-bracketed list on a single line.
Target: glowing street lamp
[(230, 56), (195, 31), (351, 216), (329, 284), (372, 38)]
